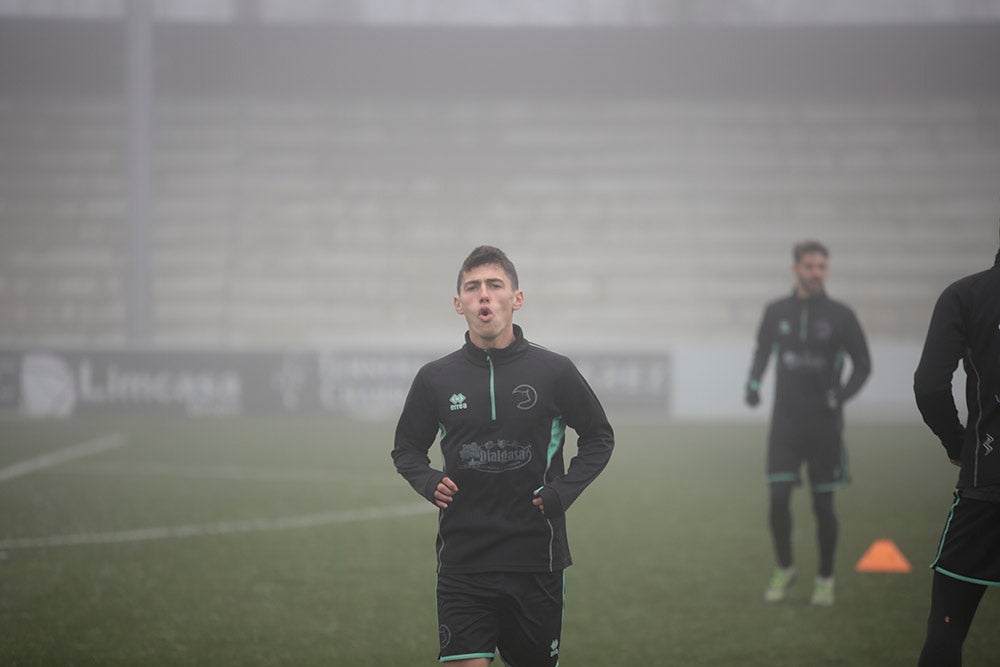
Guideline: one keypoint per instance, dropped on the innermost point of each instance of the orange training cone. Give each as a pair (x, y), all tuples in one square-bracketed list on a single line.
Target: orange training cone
[(883, 556)]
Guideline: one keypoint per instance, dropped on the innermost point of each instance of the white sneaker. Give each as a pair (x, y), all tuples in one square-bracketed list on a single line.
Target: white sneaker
[(823, 592), (781, 581)]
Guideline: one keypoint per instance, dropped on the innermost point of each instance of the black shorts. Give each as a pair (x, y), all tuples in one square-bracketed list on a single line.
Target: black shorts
[(815, 440), (970, 543), (519, 613)]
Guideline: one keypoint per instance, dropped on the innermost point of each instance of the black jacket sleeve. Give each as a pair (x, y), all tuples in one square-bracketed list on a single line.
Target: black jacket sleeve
[(583, 413), (943, 348), (761, 355), (415, 433), (861, 362)]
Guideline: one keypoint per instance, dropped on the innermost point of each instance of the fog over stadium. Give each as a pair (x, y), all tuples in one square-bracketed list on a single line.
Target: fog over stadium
[(257, 209), (238, 176)]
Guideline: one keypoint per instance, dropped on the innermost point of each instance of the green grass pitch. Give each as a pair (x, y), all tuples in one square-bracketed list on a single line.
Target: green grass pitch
[(246, 542)]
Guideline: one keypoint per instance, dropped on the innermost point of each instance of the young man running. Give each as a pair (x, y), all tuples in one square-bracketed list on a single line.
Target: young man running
[(501, 406)]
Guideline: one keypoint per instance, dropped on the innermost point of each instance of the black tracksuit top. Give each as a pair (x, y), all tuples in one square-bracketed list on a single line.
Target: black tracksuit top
[(965, 326), (810, 338), (502, 416)]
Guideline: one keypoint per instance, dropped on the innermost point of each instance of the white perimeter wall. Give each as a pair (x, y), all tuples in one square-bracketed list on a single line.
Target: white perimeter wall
[(709, 378)]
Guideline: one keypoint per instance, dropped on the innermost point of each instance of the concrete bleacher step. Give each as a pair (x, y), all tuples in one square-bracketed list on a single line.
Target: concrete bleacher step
[(325, 216)]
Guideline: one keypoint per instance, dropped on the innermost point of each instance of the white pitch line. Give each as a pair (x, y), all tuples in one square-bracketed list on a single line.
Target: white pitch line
[(89, 448), (220, 528), (234, 473)]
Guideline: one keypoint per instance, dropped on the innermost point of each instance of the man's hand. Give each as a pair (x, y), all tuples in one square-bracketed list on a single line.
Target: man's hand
[(445, 492), (752, 397), (548, 503)]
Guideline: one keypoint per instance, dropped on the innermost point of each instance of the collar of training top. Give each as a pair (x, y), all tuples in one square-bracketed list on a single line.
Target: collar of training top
[(482, 357), (812, 297)]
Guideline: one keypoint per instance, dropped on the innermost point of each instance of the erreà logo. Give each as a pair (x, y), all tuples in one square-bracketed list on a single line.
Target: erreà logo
[(458, 402)]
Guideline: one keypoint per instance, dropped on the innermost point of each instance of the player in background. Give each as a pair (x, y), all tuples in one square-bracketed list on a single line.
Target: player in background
[(810, 335), (965, 326), (501, 406)]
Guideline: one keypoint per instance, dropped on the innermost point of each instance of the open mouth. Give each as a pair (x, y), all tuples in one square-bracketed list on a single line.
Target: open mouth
[(484, 312)]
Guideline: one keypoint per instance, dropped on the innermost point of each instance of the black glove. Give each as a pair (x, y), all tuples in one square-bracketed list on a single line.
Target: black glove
[(752, 396)]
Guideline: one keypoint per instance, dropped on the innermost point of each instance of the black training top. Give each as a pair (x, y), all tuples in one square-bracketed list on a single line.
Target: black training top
[(810, 338), (965, 325), (502, 416)]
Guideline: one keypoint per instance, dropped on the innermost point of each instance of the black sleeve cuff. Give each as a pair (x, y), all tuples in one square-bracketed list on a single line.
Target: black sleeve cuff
[(553, 504), (954, 448)]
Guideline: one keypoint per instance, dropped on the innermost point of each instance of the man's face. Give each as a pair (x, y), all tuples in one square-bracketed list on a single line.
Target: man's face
[(810, 274), (488, 300)]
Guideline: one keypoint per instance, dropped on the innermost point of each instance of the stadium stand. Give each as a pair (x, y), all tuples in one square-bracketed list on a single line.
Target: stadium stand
[(300, 219), (61, 197)]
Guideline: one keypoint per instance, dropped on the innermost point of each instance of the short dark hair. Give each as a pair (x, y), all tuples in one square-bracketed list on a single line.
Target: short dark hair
[(487, 254), (804, 247)]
